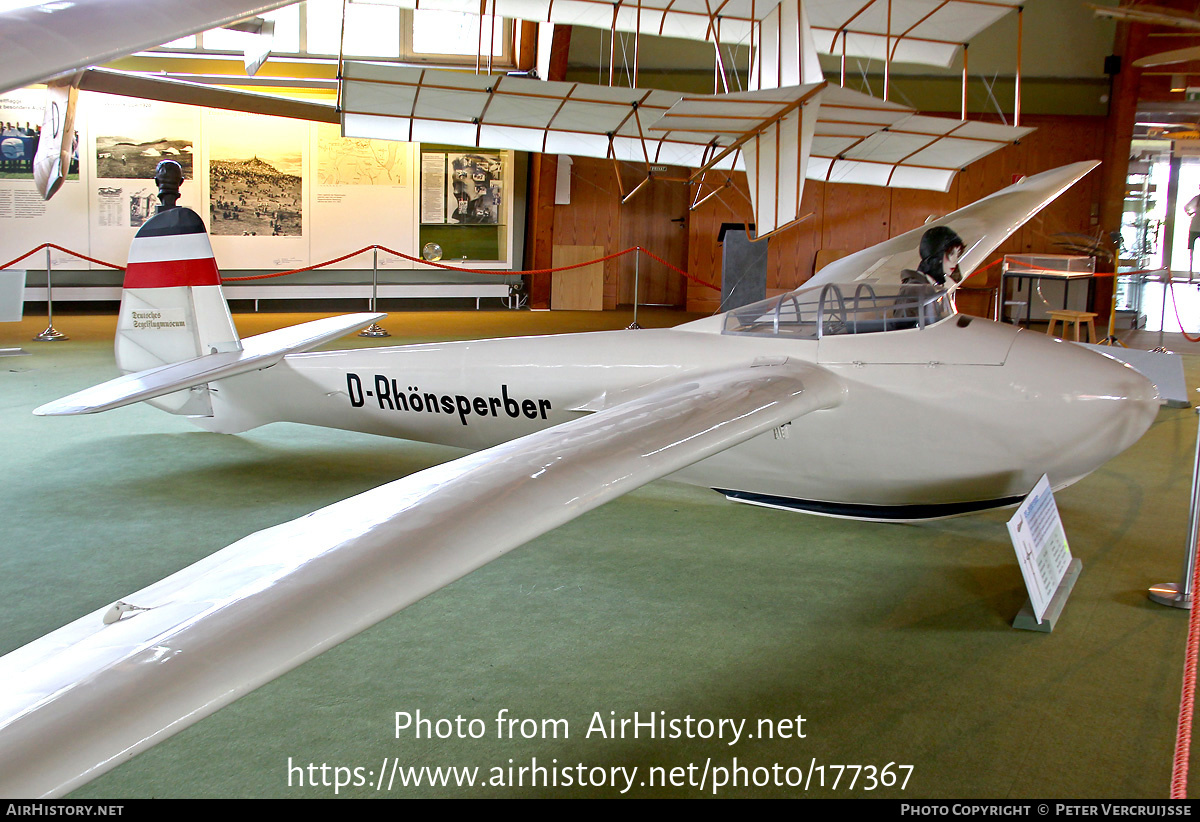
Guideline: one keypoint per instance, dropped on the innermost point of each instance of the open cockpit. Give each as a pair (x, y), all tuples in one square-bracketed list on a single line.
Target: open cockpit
[(870, 309)]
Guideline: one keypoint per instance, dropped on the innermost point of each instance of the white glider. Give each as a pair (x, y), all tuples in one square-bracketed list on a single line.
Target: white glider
[(806, 402)]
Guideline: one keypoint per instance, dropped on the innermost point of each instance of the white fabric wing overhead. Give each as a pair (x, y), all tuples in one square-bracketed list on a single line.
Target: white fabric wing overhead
[(773, 129), (929, 32), (861, 139), (785, 134), (85, 698), (495, 111)]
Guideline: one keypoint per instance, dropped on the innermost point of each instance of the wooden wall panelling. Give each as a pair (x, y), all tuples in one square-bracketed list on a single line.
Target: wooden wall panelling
[(592, 217), (647, 221), (793, 252), (1057, 142), (911, 208), (855, 216), (703, 251), (846, 216)]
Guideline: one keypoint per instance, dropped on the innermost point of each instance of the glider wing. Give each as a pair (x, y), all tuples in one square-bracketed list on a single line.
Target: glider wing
[(89, 696)]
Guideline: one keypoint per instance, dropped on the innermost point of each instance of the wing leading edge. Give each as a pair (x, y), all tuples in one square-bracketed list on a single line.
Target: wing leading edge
[(89, 696)]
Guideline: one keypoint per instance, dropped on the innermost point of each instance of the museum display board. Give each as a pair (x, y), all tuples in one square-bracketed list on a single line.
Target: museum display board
[(276, 194), (465, 202)]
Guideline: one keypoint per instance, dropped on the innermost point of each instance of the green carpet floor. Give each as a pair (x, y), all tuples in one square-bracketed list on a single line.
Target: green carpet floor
[(892, 641)]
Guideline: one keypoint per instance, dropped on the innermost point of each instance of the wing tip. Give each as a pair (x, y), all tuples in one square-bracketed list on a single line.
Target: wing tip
[(59, 408)]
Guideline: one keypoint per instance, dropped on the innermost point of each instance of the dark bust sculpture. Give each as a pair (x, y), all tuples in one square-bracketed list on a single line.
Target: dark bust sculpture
[(169, 177)]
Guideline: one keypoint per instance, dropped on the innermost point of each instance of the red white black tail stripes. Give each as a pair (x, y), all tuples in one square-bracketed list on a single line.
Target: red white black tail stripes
[(171, 249)]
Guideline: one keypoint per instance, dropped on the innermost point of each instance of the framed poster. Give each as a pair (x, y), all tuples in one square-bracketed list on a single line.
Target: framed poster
[(364, 192), (462, 188), (255, 170)]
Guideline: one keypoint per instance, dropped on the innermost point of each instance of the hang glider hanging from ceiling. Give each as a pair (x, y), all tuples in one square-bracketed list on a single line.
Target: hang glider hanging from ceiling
[(791, 126), (778, 136)]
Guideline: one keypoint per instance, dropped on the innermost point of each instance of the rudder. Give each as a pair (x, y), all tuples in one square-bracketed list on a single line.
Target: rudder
[(172, 307)]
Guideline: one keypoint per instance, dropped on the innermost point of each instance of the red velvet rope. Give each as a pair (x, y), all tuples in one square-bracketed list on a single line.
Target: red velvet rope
[(11, 263), (448, 267), (444, 266), (1175, 305), (1187, 700)]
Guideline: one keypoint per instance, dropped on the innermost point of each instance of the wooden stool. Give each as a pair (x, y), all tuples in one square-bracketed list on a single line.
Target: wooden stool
[(1075, 318)]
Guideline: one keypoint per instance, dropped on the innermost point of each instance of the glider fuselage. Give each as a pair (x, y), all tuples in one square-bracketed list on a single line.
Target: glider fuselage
[(961, 415)]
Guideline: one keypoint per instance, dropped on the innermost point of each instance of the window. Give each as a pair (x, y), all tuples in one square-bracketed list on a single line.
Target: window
[(374, 29), (456, 33)]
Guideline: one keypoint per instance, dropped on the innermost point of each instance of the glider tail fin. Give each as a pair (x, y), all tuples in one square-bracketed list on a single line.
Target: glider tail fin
[(175, 334), (172, 308)]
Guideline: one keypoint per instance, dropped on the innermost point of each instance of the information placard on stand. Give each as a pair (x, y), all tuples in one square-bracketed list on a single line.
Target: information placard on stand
[(12, 295), (12, 303), (1045, 559)]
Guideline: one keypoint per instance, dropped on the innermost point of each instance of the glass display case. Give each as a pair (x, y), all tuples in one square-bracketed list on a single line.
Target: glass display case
[(466, 202), (1032, 285)]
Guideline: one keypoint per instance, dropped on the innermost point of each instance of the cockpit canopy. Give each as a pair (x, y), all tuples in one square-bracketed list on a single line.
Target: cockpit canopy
[(870, 309)]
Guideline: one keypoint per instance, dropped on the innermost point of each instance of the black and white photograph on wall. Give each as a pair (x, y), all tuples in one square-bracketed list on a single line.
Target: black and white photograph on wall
[(118, 208), (255, 180), (133, 157), (474, 189), (142, 206)]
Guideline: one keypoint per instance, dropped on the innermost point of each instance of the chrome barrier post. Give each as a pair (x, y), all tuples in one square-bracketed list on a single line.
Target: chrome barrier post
[(637, 256), (51, 334), (1180, 595), (1167, 285), (373, 330)]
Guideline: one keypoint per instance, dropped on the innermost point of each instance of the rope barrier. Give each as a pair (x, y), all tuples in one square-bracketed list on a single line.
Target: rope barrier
[(1187, 700), (1168, 287), (11, 263), (444, 266), (298, 270), (448, 267)]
